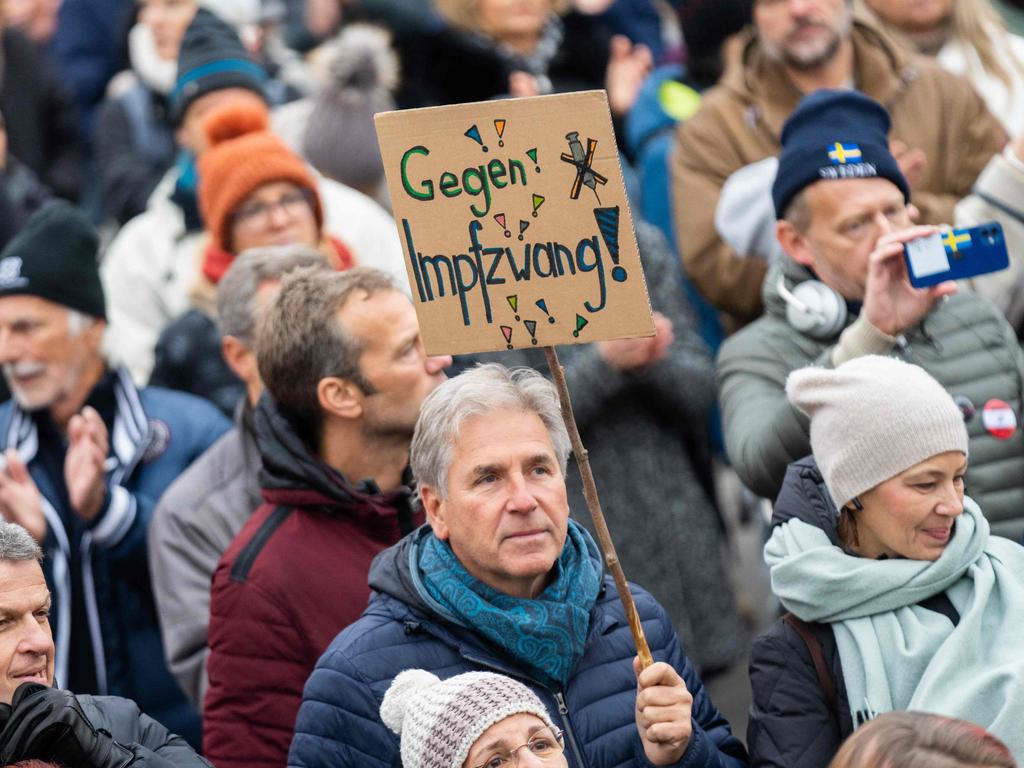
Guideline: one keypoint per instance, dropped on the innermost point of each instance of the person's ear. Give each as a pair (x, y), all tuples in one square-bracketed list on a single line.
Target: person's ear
[(339, 397), (794, 243), (94, 333), (434, 508), (239, 357)]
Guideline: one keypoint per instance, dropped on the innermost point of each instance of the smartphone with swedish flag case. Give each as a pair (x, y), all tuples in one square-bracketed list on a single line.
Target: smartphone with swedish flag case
[(956, 254)]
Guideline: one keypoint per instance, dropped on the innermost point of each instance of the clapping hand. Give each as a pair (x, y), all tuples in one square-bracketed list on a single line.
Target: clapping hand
[(20, 499), (85, 463)]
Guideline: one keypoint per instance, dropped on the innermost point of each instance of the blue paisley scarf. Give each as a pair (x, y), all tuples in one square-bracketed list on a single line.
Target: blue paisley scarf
[(546, 635)]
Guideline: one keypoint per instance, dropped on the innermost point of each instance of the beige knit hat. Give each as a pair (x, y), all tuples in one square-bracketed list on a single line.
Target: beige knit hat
[(439, 721), (872, 418)]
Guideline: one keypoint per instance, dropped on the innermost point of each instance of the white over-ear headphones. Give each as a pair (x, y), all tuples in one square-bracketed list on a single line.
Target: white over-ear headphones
[(814, 309)]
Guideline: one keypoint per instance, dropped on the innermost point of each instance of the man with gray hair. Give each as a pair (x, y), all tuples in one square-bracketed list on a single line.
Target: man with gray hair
[(502, 580), (41, 721), (87, 454), (345, 371), (205, 508)]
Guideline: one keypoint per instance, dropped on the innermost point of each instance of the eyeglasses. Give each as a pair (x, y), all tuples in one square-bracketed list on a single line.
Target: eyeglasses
[(257, 215), (545, 744)]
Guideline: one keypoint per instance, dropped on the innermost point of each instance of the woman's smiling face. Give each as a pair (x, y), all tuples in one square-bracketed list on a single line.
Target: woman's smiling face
[(911, 515)]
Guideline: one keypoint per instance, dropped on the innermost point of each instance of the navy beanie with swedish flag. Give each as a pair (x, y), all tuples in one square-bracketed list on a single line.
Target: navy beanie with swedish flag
[(834, 135), (54, 257)]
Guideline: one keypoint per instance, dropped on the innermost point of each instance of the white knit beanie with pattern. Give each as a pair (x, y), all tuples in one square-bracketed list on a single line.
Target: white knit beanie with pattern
[(439, 721), (872, 418)]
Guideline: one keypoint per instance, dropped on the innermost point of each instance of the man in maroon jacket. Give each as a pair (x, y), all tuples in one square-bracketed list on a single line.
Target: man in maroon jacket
[(345, 371)]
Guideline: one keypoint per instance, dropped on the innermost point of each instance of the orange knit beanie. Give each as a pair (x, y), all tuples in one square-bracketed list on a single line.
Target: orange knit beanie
[(242, 156)]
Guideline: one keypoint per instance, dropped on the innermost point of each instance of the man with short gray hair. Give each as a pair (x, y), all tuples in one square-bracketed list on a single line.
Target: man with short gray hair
[(205, 508), (86, 456), (345, 371), (502, 580), (40, 721)]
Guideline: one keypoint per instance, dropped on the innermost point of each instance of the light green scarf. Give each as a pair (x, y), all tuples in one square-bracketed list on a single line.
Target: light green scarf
[(896, 655)]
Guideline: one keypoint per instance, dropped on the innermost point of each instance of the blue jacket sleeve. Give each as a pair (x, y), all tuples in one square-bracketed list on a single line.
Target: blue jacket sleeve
[(121, 526), (339, 722), (712, 744)]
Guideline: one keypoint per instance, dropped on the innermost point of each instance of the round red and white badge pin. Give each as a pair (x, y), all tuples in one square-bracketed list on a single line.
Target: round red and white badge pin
[(999, 419)]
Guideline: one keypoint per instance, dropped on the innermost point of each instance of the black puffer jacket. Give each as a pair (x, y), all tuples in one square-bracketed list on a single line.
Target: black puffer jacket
[(792, 724), (152, 745)]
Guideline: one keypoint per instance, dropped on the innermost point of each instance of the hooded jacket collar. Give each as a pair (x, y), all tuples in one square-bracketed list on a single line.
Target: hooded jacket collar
[(294, 476), (805, 497), (881, 71)]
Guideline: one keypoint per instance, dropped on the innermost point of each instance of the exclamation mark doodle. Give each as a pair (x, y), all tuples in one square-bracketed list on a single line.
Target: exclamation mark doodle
[(513, 301), (608, 224), (531, 328), (581, 323), (538, 201), (499, 126), (522, 227), (532, 154), (543, 306), (507, 333), (500, 218), (474, 134)]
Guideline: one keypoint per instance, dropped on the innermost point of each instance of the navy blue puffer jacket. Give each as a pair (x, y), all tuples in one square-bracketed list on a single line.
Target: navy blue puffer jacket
[(339, 725)]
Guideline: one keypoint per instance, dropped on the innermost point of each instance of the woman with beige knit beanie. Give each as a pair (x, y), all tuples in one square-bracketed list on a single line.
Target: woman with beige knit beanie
[(472, 720), (898, 597)]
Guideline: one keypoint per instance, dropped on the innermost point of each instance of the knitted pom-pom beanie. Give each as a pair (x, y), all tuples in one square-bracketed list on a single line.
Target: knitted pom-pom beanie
[(242, 156), (439, 721)]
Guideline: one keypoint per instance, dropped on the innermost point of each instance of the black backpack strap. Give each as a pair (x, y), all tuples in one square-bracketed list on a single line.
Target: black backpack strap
[(818, 657)]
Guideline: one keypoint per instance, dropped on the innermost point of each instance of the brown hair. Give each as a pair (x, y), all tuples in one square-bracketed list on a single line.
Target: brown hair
[(299, 340), (921, 740), (463, 13)]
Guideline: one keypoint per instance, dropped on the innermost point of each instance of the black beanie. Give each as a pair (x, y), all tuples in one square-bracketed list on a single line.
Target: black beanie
[(55, 258), (834, 135), (212, 57)]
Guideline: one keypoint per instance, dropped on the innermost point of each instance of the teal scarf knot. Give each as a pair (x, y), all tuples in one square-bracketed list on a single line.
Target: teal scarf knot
[(897, 655), (546, 635)]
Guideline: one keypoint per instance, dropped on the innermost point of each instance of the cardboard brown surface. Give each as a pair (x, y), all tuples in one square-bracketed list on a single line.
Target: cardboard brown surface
[(514, 222)]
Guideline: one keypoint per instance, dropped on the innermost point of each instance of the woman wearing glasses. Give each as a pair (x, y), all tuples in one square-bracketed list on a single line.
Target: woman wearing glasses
[(469, 720), (484, 720), (254, 192)]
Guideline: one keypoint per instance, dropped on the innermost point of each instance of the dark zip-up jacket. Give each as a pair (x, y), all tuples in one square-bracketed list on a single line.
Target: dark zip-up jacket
[(792, 724), (156, 435), (339, 722), (292, 579), (150, 743)]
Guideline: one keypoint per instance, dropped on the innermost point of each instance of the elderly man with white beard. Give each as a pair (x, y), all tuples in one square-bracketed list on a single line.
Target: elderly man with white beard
[(86, 455)]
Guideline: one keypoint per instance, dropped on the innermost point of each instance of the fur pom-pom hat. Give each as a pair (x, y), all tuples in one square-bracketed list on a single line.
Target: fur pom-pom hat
[(242, 156), (440, 720), (340, 138)]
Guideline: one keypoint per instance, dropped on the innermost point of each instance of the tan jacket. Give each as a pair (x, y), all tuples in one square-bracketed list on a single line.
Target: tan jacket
[(740, 122)]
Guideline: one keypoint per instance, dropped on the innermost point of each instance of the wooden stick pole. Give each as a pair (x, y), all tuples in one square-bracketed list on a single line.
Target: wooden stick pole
[(604, 537)]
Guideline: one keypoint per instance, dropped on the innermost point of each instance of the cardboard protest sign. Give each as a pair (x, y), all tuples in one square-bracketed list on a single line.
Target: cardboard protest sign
[(514, 223)]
